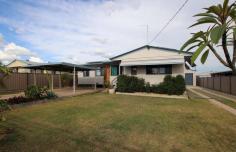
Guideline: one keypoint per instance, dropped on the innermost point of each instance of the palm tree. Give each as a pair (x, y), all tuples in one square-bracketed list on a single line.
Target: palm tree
[(221, 32)]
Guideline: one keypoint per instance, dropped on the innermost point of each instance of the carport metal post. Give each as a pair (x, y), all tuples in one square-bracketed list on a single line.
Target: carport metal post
[(35, 83), (74, 80), (52, 80), (60, 80), (95, 82)]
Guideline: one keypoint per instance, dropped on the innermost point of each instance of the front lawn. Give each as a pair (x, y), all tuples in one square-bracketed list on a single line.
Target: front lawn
[(102, 122)]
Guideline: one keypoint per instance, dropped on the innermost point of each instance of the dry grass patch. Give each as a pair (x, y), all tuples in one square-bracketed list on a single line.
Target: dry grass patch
[(102, 122)]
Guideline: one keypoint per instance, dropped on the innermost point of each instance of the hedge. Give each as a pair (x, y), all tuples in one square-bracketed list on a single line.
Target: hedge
[(130, 84), (171, 85)]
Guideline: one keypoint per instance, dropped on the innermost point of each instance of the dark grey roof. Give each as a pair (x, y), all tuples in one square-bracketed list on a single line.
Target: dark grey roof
[(148, 46), (99, 63), (60, 66)]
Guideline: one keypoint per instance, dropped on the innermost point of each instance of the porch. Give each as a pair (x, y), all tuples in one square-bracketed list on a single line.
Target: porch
[(154, 74)]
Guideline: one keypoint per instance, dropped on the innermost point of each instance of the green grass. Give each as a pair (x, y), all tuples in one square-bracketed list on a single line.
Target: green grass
[(102, 122), (220, 99)]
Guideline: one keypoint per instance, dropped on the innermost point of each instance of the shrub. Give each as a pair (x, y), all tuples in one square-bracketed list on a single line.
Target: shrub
[(130, 84), (180, 84), (3, 107), (148, 88), (50, 95), (171, 86), (17, 100), (33, 92)]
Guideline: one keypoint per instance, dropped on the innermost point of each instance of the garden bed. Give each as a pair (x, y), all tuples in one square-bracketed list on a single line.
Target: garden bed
[(144, 94)]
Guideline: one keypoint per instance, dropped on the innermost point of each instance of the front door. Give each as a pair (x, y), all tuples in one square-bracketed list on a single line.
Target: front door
[(188, 78)]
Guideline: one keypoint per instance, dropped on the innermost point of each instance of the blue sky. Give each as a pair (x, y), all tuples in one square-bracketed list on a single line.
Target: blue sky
[(82, 31)]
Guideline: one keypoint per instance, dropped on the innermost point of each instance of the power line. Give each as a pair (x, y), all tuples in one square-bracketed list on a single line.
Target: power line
[(171, 19)]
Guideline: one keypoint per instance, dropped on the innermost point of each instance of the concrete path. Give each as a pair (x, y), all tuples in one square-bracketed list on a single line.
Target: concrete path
[(218, 94), (214, 101)]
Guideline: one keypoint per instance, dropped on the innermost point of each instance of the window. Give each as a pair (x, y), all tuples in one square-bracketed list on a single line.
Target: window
[(162, 70), (86, 73), (159, 69), (133, 70), (100, 72), (114, 70), (154, 70)]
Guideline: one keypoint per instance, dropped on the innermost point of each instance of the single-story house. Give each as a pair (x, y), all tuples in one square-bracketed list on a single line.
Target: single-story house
[(148, 62)]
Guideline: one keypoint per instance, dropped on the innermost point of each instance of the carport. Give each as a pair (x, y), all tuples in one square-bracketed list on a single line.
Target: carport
[(60, 67)]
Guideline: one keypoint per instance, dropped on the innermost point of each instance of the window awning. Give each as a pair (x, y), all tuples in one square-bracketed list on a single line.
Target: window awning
[(152, 62)]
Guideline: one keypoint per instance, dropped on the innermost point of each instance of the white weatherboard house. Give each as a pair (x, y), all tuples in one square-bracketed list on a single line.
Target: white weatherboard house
[(148, 62)]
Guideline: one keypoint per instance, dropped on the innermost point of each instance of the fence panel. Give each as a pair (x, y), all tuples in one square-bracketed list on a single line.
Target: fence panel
[(204, 82), (210, 83), (43, 80), (56, 81), (226, 84), (233, 85), (20, 81), (14, 82), (31, 79), (201, 82), (217, 83)]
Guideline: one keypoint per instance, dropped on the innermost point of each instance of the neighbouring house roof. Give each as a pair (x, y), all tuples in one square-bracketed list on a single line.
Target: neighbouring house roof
[(148, 46), (60, 66), (24, 62), (222, 73)]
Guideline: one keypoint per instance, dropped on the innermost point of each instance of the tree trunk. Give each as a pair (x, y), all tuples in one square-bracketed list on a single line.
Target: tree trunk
[(226, 52), (234, 71)]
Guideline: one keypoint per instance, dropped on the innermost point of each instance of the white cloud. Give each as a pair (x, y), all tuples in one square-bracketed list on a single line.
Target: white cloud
[(12, 51), (81, 31), (36, 59)]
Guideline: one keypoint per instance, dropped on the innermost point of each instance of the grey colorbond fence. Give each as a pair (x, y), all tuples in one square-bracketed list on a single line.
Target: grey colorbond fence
[(20, 81), (226, 84)]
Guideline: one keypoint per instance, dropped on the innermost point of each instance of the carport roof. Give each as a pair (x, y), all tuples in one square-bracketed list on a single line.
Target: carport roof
[(60, 66)]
